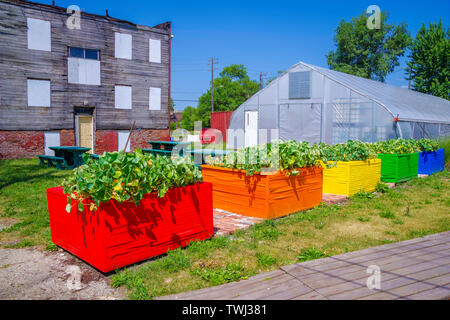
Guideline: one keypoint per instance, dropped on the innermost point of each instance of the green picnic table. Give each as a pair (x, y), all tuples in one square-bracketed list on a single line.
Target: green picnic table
[(167, 145), (73, 156)]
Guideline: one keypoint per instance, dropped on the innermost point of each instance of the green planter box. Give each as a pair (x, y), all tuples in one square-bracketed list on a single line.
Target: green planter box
[(399, 167)]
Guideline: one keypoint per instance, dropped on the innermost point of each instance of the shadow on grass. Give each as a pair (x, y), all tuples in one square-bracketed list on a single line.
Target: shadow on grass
[(26, 172)]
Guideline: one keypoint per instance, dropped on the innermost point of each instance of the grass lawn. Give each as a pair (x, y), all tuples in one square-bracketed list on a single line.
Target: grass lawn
[(23, 203), (412, 210)]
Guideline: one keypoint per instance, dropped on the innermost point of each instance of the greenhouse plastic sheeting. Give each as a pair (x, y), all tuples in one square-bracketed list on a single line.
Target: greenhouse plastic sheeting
[(339, 107), (349, 178), (399, 167), (432, 162)]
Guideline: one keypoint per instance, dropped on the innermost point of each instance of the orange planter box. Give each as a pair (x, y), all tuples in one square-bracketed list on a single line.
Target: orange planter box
[(264, 196)]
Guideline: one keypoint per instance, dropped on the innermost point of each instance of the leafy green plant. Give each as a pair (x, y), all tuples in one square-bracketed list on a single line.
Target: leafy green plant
[(311, 254), (126, 177), (396, 146), (265, 260), (427, 145), (387, 214), (268, 230), (350, 151), (217, 276), (286, 157), (382, 188), (176, 260)]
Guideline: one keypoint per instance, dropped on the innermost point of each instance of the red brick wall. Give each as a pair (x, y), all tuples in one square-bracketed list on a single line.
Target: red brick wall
[(106, 141), (67, 138), (21, 144), (30, 144), (140, 138)]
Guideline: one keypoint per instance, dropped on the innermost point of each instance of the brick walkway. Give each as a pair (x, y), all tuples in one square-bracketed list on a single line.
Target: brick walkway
[(417, 269)]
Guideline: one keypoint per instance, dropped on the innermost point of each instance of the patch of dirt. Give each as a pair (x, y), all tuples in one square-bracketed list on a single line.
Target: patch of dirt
[(6, 223), (30, 274)]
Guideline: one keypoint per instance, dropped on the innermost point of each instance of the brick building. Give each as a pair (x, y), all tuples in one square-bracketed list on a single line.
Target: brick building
[(80, 79)]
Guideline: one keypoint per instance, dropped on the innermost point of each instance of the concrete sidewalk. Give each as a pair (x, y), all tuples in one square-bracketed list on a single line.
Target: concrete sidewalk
[(417, 269)]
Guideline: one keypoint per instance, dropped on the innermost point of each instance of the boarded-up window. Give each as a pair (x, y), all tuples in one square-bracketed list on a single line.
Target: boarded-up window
[(155, 99), (84, 71), (39, 35), (123, 97), (38, 93), (155, 51), (300, 85), (123, 45), (52, 139), (123, 138)]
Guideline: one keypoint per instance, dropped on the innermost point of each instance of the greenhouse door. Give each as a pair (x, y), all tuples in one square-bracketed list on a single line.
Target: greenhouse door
[(251, 128), (301, 122)]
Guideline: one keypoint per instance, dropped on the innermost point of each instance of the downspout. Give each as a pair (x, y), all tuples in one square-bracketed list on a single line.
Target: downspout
[(170, 76)]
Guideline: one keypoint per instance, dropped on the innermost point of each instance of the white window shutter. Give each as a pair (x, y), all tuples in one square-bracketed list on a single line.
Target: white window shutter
[(123, 46), (123, 97), (84, 71), (51, 139), (155, 99), (39, 94), (39, 35), (155, 51), (123, 137)]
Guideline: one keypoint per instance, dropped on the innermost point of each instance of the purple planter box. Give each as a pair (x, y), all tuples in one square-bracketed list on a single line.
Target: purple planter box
[(431, 162)]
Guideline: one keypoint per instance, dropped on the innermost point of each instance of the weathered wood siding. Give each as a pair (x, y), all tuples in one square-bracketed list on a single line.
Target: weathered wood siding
[(18, 63)]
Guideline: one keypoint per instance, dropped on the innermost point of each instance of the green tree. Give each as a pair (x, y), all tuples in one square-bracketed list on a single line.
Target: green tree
[(367, 53), (231, 89), (188, 118), (429, 63)]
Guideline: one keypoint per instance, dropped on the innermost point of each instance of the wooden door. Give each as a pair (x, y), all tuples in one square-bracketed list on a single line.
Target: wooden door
[(85, 132)]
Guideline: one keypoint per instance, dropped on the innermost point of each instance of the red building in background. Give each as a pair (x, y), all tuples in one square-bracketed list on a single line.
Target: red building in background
[(221, 122)]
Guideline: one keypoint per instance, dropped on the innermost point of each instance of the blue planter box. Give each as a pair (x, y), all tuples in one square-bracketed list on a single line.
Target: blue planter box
[(431, 162)]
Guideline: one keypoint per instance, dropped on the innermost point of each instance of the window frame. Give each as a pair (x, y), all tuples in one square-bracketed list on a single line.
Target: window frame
[(84, 53)]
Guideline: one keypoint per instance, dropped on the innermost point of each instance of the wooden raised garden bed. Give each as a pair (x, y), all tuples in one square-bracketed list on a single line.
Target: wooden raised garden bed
[(399, 167), (264, 196), (349, 178), (431, 162), (117, 235)]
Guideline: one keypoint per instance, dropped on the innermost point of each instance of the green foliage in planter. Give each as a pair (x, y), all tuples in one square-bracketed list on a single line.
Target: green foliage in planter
[(397, 146), (405, 146), (427, 145), (127, 177), (350, 151), (284, 156)]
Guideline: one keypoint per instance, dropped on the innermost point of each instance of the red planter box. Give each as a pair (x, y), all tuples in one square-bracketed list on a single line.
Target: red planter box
[(117, 235)]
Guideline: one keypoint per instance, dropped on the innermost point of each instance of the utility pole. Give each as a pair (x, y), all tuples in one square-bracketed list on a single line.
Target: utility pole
[(262, 77), (213, 61)]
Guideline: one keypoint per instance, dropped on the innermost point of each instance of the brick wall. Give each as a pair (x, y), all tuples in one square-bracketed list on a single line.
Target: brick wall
[(30, 144), (140, 138), (21, 144), (106, 141), (67, 138)]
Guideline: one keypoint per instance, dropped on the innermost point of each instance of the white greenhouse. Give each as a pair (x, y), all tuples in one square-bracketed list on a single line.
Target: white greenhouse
[(310, 103)]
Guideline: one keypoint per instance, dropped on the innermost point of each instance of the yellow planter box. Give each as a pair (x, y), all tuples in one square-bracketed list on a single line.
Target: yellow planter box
[(349, 178)]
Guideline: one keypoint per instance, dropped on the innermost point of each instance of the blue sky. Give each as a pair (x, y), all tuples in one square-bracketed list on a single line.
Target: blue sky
[(265, 36)]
